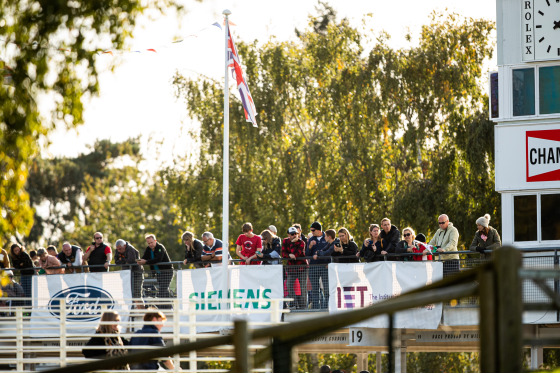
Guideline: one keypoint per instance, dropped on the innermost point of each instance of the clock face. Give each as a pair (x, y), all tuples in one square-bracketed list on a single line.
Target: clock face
[(546, 23)]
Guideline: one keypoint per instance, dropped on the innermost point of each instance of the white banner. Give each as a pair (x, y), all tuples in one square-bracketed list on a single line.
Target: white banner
[(359, 285), (200, 290), (86, 296)]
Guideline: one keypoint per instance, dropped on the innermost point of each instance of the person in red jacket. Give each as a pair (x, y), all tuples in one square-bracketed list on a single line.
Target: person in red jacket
[(293, 247)]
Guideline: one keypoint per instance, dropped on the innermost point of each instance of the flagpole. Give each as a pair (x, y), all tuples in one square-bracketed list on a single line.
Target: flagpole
[(225, 196)]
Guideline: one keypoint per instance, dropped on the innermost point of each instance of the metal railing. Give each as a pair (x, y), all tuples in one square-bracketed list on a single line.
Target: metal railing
[(60, 343), (497, 284)]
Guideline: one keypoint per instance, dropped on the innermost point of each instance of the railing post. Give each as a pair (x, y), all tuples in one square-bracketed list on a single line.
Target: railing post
[(556, 280), (281, 356), (62, 314), (509, 310), (192, 337), (487, 321), (19, 339), (176, 333), (241, 346), (390, 343)]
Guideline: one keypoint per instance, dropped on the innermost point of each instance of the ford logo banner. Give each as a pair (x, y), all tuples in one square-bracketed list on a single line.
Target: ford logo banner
[(83, 303)]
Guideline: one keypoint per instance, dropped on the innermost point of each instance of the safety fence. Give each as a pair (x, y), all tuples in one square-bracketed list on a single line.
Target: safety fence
[(60, 343), (307, 285)]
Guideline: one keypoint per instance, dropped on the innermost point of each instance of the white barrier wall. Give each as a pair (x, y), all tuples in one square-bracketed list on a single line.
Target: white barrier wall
[(359, 285), (200, 290), (85, 296)]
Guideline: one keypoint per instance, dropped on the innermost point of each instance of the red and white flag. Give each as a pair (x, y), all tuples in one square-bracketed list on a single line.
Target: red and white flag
[(237, 73)]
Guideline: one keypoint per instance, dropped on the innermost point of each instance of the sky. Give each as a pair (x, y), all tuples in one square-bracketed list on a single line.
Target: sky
[(137, 97)]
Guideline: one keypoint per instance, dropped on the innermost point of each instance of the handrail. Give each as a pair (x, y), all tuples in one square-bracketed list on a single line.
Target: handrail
[(315, 327)]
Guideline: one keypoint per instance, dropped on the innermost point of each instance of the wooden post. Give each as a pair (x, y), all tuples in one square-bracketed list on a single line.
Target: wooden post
[(509, 310), (487, 322), (241, 346), (281, 356)]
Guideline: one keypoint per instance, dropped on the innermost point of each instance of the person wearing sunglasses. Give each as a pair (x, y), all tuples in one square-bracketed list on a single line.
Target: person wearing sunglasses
[(293, 248), (444, 241), (97, 254), (407, 244)]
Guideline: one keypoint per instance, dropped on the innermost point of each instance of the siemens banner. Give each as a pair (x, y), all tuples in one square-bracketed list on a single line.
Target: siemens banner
[(251, 289), (359, 285), (84, 295)]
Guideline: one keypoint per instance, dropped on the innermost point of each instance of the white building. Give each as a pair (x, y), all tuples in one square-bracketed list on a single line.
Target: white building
[(525, 104)]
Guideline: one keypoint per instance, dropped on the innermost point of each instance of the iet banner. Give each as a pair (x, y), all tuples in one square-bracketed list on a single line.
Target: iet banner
[(85, 296), (357, 285), (250, 289)]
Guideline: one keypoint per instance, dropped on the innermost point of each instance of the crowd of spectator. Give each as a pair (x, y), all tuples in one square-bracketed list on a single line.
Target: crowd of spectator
[(306, 256)]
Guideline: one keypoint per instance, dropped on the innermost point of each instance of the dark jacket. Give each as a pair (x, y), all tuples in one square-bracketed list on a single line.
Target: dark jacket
[(372, 252), (392, 239), (402, 248), (327, 251), (127, 260), (140, 339), (272, 251), (492, 241), (194, 253), (159, 254), (23, 261), (349, 250), (99, 341), (320, 244)]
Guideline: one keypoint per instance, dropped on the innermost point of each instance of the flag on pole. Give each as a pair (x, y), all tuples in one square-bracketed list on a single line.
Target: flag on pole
[(237, 73)]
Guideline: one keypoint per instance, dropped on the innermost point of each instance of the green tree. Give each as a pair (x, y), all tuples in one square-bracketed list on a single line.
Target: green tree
[(102, 190), (348, 136), (51, 48)]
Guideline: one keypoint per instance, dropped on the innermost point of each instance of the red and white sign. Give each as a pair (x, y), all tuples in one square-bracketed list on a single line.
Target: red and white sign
[(543, 155)]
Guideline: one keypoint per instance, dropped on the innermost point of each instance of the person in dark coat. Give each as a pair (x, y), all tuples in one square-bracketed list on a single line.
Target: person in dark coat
[(486, 237), (272, 248), (127, 257), (108, 324), (391, 234), (193, 249), (157, 257), (345, 250), (22, 261)]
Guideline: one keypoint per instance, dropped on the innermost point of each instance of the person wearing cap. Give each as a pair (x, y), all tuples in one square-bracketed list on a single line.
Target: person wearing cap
[(49, 263), (293, 248), (273, 230), (318, 272), (249, 245), (12, 289), (486, 237), (444, 241), (422, 248)]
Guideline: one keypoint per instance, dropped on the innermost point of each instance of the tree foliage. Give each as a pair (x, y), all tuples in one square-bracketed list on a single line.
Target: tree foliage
[(102, 190), (51, 48), (346, 135)]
